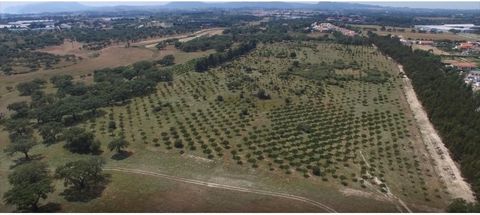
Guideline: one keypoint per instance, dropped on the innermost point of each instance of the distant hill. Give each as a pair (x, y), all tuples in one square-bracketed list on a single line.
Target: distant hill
[(268, 5)]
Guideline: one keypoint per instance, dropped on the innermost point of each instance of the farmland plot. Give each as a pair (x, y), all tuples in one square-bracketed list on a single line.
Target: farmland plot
[(326, 112), (321, 121)]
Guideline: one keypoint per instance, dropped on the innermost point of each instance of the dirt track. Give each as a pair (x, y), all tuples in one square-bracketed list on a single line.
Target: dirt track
[(226, 187), (444, 164), (182, 37)]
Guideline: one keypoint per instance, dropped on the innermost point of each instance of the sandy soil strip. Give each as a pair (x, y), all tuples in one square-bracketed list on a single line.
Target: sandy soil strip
[(444, 164), (226, 187), (152, 42)]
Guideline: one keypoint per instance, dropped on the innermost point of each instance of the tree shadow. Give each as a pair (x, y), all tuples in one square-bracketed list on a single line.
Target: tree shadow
[(72, 194), (23, 160), (50, 208), (121, 155), (97, 152)]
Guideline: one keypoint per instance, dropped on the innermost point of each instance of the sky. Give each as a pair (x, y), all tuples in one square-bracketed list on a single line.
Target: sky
[(410, 4), (430, 5)]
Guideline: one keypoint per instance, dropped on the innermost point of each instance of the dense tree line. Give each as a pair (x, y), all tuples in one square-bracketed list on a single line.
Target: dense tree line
[(216, 59), (355, 40), (451, 105), (111, 86), (137, 29), (462, 206)]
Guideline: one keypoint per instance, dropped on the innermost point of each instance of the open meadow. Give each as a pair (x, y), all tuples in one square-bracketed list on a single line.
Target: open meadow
[(291, 126)]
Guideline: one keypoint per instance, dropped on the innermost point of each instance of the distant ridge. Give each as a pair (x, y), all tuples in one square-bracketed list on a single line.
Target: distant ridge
[(268, 5)]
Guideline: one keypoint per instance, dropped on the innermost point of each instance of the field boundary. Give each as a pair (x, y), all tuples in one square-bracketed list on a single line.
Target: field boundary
[(443, 162), (226, 187)]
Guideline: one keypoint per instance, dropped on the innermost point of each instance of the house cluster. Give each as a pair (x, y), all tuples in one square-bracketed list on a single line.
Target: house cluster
[(349, 19), (35, 25), (460, 48), (419, 42), (63, 24), (468, 48), (328, 27), (473, 78), (29, 24), (471, 70)]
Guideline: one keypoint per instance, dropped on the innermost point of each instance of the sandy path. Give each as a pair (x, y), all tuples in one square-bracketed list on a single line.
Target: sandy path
[(443, 163), (226, 187), (183, 37)]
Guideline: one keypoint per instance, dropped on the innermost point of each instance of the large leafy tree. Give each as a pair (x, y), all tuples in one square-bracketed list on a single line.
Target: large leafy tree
[(21, 145), (21, 109), (118, 145), (78, 140), (30, 182), (18, 127), (27, 88), (168, 60), (50, 131), (82, 175)]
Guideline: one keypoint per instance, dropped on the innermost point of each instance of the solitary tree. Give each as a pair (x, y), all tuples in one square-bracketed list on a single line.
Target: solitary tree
[(316, 170), (78, 140), (21, 109), (50, 131), (118, 144), (27, 88), (168, 60), (18, 127), (30, 183), (81, 175), (22, 145)]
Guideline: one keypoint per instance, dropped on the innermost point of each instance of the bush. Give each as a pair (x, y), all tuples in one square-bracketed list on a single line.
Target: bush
[(304, 128), (112, 125), (262, 94), (178, 144), (316, 171)]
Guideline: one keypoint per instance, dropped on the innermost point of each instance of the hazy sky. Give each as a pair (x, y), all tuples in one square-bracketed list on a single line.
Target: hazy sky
[(411, 4), (431, 5)]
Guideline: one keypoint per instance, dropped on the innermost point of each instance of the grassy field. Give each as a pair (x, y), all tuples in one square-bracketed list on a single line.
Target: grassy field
[(433, 49), (407, 34), (340, 111)]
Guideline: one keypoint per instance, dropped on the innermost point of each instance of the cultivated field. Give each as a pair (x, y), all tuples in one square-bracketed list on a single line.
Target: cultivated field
[(329, 125), (408, 34)]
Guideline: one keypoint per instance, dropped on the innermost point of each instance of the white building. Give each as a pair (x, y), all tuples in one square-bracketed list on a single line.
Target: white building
[(447, 27)]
